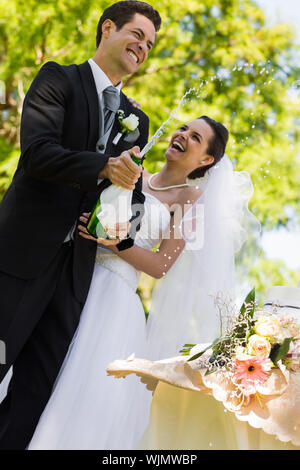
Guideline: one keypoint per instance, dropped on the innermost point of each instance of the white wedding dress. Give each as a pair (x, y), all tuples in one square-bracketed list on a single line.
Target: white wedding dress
[(88, 409)]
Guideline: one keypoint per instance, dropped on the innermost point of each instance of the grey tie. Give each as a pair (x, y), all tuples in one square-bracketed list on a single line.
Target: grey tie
[(111, 101)]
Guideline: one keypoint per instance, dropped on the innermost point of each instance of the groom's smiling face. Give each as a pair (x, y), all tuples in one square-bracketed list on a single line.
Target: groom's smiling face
[(128, 47)]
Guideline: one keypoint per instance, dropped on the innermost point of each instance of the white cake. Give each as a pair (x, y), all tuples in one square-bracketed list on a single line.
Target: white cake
[(285, 298)]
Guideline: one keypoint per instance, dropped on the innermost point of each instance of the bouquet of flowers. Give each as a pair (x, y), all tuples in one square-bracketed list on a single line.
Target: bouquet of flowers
[(255, 342)]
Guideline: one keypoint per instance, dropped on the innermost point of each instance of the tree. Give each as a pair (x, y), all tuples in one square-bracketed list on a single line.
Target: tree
[(247, 70)]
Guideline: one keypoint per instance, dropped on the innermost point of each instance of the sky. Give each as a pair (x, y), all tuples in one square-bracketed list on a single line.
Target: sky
[(283, 244), (284, 11)]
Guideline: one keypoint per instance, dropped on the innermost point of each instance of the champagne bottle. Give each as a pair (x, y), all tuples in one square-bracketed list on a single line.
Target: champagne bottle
[(112, 207)]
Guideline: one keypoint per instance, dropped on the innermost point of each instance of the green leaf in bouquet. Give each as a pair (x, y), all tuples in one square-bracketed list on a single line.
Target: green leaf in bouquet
[(216, 341), (200, 353), (185, 351), (279, 351), (211, 370), (250, 333), (250, 299)]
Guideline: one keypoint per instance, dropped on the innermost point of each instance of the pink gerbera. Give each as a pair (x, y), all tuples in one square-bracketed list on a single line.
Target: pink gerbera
[(254, 370)]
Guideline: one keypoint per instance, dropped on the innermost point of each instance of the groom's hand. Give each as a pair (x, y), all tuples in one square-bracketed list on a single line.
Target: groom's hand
[(122, 171), (119, 233)]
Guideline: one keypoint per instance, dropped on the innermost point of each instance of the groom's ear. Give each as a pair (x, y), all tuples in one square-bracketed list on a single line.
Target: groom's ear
[(108, 26)]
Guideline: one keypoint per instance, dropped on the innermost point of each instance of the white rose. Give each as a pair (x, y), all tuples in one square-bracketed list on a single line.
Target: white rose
[(131, 122), (289, 325), (241, 355), (269, 326), (259, 313), (258, 345), (295, 356), (294, 330)]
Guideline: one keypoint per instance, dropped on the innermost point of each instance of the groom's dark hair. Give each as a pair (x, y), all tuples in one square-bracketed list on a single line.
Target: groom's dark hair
[(216, 146), (123, 12)]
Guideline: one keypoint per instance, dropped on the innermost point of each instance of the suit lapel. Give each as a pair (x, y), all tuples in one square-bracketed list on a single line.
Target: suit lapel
[(90, 91)]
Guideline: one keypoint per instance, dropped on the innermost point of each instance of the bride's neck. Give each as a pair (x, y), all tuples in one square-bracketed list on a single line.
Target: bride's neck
[(169, 176)]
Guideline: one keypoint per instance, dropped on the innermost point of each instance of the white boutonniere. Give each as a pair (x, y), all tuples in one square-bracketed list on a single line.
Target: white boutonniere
[(127, 124)]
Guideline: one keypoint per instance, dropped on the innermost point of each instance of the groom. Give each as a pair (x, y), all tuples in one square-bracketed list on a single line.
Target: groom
[(67, 158)]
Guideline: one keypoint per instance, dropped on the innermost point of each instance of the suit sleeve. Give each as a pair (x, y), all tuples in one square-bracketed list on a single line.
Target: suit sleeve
[(43, 155), (138, 198)]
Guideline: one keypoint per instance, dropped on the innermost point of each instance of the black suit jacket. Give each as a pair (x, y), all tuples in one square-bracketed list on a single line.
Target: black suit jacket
[(57, 174)]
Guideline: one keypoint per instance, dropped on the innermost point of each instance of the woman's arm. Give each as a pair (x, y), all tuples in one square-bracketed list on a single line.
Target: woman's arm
[(155, 264)]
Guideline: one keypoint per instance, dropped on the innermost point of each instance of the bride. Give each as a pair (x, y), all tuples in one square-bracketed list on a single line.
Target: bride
[(87, 409)]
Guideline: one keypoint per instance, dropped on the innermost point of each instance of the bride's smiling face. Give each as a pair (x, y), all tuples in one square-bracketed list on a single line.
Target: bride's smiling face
[(188, 145)]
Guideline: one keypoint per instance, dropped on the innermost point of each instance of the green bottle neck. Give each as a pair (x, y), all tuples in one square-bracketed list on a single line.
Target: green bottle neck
[(136, 160)]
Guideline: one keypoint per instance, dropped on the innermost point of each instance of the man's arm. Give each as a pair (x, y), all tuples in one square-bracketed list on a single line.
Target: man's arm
[(42, 123)]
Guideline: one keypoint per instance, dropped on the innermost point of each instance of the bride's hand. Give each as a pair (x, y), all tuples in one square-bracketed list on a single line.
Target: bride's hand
[(120, 232)]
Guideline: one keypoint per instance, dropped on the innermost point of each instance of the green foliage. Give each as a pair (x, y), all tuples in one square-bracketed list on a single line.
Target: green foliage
[(9, 155), (216, 342), (267, 273), (200, 40), (186, 349), (145, 289), (223, 347), (248, 304), (279, 351)]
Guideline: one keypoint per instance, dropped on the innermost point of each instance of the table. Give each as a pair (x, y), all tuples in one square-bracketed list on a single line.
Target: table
[(189, 412)]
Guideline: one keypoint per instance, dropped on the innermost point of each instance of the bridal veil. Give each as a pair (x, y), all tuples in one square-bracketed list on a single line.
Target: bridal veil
[(221, 236)]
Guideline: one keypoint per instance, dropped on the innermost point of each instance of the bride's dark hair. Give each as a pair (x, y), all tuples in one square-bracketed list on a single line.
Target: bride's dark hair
[(216, 146)]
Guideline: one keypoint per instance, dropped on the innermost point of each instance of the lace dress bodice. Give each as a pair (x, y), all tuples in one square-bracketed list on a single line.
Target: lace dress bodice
[(155, 222)]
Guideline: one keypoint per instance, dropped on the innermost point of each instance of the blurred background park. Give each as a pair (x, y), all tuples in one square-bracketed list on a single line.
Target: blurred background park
[(246, 55)]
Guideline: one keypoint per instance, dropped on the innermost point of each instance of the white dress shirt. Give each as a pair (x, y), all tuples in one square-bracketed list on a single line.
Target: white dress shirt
[(101, 81)]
